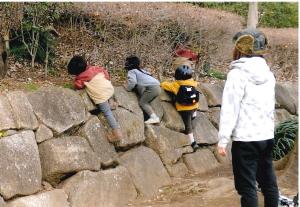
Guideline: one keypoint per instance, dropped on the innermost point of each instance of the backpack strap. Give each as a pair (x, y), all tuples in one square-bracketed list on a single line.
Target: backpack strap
[(143, 72)]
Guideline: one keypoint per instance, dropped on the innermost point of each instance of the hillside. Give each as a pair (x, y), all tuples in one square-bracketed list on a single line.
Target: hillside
[(107, 32)]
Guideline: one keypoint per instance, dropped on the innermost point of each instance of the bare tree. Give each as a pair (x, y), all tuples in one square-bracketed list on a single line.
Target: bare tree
[(11, 14), (3, 59), (252, 15)]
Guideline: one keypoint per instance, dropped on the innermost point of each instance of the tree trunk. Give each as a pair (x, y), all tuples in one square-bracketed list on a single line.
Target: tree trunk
[(3, 59), (46, 60), (6, 40), (32, 61), (252, 15)]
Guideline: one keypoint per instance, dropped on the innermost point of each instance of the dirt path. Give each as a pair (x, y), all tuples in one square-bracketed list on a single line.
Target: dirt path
[(216, 189)]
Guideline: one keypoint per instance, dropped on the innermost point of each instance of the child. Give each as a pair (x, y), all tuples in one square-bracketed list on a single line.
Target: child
[(99, 88), (183, 79), (146, 86)]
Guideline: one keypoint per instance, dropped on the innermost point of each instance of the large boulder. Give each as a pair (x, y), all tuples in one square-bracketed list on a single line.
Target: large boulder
[(54, 198), (171, 157), (2, 202), (204, 131), (128, 100), (58, 108), (95, 134), (89, 105), (172, 118), (213, 93), (156, 105), (7, 117), (177, 170), (108, 188), (287, 96), (202, 161), (146, 170), (20, 167), (132, 126), (65, 155), (282, 115), (170, 146), (22, 110), (214, 116), (43, 133), (203, 106), (162, 139)]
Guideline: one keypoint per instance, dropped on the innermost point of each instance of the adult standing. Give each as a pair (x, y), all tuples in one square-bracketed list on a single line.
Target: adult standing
[(247, 116)]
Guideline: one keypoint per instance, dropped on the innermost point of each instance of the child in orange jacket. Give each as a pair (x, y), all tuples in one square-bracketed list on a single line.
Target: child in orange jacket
[(183, 77)]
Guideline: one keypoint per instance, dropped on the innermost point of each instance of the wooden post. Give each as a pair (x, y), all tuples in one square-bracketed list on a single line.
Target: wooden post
[(252, 15)]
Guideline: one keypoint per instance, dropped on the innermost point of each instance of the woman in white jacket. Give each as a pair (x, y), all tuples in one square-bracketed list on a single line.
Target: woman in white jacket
[(247, 117)]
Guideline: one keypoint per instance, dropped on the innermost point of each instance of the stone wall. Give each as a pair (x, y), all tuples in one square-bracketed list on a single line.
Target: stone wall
[(56, 154)]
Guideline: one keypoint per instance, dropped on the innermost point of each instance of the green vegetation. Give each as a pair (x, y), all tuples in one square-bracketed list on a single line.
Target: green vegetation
[(68, 85), (285, 135), (35, 38), (31, 86), (272, 14)]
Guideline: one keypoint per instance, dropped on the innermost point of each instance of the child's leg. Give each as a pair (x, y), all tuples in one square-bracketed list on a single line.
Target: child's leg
[(105, 109), (187, 120), (147, 96)]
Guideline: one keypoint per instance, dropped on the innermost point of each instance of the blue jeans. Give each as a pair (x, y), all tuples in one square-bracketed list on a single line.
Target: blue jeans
[(105, 109)]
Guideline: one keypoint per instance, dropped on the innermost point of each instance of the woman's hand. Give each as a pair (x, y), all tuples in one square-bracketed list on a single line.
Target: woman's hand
[(222, 151)]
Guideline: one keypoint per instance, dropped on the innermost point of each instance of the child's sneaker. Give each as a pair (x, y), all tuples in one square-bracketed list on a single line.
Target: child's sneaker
[(194, 115), (153, 120), (195, 146)]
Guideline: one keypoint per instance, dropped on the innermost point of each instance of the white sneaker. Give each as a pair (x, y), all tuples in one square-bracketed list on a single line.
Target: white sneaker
[(152, 120)]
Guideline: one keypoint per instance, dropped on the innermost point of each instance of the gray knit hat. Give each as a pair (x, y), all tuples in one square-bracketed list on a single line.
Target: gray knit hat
[(251, 41)]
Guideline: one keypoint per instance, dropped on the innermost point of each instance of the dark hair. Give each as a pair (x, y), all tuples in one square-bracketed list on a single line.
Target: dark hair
[(77, 65), (183, 72), (132, 62)]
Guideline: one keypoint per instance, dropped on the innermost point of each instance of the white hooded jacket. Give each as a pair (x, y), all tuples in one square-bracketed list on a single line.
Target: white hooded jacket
[(248, 103)]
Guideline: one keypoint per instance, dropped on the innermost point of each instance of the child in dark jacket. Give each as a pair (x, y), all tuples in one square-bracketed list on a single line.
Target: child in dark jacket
[(183, 77), (145, 84), (96, 81)]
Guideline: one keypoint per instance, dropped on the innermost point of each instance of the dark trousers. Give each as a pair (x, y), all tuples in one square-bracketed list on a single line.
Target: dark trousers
[(187, 118), (252, 161)]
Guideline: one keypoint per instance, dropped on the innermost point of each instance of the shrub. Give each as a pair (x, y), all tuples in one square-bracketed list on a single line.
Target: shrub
[(285, 135)]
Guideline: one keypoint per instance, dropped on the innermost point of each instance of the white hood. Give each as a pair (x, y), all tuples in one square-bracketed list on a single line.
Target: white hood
[(258, 72)]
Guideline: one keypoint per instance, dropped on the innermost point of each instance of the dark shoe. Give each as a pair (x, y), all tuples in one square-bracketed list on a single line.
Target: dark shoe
[(195, 146)]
